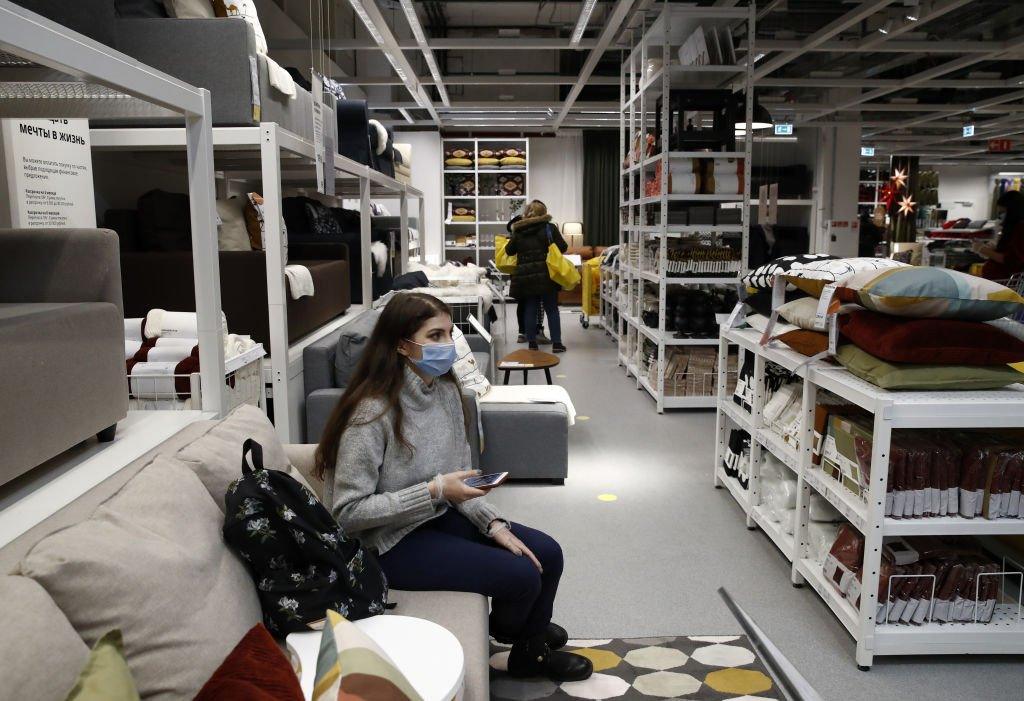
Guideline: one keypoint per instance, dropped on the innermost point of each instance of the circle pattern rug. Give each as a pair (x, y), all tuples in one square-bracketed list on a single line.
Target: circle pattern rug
[(698, 667)]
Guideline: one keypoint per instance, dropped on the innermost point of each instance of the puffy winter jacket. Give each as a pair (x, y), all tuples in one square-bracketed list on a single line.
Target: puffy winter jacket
[(529, 242)]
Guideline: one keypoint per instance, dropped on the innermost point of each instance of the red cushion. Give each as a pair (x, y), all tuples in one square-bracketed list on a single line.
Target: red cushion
[(256, 670), (933, 341)]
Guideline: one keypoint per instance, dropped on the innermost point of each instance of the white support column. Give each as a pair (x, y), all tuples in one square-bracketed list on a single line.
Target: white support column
[(836, 184), (275, 246), (403, 245), (205, 256), (756, 424), (421, 229), (364, 241), (721, 422), (803, 493)]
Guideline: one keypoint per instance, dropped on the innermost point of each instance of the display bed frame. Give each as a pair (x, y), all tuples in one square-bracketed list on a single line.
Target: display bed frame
[(273, 156), (891, 410)]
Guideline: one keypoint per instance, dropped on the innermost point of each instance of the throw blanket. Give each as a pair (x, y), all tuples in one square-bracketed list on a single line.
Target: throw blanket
[(300, 281), (531, 394), (280, 79)]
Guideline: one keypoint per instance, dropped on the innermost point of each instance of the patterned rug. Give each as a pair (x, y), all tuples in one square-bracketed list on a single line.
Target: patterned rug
[(699, 667)]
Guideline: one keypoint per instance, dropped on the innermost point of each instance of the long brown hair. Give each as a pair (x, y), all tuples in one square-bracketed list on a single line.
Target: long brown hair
[(380, 372)]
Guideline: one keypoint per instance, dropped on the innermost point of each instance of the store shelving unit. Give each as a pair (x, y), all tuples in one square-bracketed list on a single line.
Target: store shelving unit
[(268, 158), (483, 230), (891, 410)]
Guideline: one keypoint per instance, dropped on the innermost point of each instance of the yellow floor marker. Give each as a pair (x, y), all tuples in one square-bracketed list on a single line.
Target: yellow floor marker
[(582, 418), (561, 377), (607, 497)]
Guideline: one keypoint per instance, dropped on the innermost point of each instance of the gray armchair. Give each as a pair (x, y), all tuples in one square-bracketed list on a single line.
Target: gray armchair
[(529, 441), (61, 343)]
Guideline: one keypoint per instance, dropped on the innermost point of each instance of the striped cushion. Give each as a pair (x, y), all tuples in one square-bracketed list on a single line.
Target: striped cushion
[(351, 666)]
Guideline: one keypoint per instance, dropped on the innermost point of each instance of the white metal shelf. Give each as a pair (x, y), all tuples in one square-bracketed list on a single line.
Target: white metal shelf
[(999, 408), (774, 529)]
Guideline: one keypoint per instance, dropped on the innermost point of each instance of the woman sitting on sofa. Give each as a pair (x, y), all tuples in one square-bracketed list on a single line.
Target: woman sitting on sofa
[(393, 458)]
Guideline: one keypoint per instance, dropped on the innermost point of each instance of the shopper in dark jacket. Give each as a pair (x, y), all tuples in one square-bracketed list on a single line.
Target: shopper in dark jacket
[(521, 308), (1006, 258), (531, 283)]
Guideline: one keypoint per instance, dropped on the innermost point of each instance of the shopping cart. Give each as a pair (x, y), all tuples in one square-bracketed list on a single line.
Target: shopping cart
[(1016, 283), (591, 302)]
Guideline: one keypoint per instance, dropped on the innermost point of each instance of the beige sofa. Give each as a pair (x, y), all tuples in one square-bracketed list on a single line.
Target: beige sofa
[(143, 552)]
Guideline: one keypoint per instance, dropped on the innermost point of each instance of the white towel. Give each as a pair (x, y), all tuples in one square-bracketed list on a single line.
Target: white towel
[(189, 343), (236, 345), (300, 281), (724, 184), (153, 380), (162, 323), (174, 353), (380, 257), (684, 183), (131, 347), (531, 394), (280, 79), (133, 329)]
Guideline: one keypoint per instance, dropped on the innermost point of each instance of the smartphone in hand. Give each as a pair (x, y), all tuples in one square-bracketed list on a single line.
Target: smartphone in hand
[(486, 481)]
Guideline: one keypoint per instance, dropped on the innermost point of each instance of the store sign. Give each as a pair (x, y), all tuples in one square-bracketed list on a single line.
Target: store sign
[(46, 174), (968, 130), (999, 145), (867, 151), (783, 130)]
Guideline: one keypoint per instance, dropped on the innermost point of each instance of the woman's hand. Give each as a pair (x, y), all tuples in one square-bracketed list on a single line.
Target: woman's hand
[(508, 540), (453, 489)]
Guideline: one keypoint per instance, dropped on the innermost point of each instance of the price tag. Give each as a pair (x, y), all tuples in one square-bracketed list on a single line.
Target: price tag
[(318, 131), (778, 291), (824, 302), (737, 316), (833, 334)]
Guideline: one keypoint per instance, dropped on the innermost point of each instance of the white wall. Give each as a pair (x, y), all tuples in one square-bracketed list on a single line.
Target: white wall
[(556, 175), (426, 176), (961, 184)]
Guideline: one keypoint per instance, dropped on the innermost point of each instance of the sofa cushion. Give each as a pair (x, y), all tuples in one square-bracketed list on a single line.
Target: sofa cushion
[(151, 561), (42, 654), (216, 457), (106, 676), (256, 670), (140, 8), (351, 344)]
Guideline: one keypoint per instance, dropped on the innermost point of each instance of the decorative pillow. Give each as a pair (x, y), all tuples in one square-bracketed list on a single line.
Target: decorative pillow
[(763, 276), (488, 153), (937, 293), (232, 233), (106, 676), (813, 277), (511, 153), (463, 218), (189, 9), (351, 666), (351, 344), (905, 376), (760, 323), (254, 225), (465, 187), (458, 162), (245, 9), (510, 185), (800, 312), (761, 301), (513, 161), (934, 341), (805, 342), (482, 161), (216, 456), (1010, 326), (256, 670), (152, 559), (463, 153), (466, 369)]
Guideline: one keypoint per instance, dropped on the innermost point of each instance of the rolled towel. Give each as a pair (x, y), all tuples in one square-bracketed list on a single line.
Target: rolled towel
[(723, 184), (300, 281), (684, 183), (131, 347), (133, 329), (152, 380), (164, 324), (170, 353)]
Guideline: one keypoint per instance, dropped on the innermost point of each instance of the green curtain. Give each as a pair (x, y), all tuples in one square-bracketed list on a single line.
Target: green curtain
[(600, 187)]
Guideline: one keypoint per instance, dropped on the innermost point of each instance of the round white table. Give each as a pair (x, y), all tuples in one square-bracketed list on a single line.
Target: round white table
[(429, 656)]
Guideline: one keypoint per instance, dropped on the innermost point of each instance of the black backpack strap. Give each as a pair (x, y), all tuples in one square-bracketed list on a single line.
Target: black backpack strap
[(254, 451)]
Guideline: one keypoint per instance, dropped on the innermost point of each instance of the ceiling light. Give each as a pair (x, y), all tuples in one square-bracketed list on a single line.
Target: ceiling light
[(581, 23), (887, 26), (761, 119)]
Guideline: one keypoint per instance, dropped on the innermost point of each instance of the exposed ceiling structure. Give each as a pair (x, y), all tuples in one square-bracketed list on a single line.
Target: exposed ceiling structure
[(911, 73)]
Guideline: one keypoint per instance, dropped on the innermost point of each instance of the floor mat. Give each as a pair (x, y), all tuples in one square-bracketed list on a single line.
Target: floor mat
[(698, 667)]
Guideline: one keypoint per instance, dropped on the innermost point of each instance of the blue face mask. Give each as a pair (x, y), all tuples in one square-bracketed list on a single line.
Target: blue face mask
[(437, 359)]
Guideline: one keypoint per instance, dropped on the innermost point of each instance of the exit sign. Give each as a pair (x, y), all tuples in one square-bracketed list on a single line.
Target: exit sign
[(783, 130), (999, 145), (968, 130), (867, 151)]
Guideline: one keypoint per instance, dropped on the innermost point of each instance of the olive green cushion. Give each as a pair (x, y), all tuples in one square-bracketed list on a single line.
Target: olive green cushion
[(106, 676), (907, 376)]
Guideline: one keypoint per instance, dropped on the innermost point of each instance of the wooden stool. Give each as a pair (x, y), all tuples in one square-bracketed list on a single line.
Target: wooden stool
[(527, 360)]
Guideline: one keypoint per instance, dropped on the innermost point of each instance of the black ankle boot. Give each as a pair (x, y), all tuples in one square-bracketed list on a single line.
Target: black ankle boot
[(533, 658), (554, 635)]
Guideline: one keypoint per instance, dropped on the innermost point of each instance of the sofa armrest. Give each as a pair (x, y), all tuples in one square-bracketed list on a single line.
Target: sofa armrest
[(327, 250), (319, 407), (60, 265), (207, 53), (318, 363)]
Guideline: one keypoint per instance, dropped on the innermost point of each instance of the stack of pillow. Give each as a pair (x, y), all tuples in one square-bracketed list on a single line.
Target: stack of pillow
[(458, 159), (901, 327)]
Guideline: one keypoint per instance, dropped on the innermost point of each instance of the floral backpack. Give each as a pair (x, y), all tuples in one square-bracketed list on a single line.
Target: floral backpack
[(297, 554)]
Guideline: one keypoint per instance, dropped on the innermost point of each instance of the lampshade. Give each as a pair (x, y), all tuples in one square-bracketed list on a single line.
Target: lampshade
[(762, 118), (572, 232)]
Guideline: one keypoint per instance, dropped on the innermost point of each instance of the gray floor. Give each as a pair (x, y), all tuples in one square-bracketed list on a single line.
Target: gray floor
[(649, 563)]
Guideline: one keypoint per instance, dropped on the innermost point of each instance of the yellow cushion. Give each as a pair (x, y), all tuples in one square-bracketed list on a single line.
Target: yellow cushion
[(458, 162), (513, 161), (464, 217), (487, 161)]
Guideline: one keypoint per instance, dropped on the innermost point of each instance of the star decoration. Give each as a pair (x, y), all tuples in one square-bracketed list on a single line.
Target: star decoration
[(899, 179), (907, 205)]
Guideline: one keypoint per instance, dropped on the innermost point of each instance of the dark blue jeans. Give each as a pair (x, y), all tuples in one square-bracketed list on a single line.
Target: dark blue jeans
[(532, 309), (450, 554)]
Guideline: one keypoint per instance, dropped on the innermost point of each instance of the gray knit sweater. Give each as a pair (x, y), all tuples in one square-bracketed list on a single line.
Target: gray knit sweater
[(379, 489)]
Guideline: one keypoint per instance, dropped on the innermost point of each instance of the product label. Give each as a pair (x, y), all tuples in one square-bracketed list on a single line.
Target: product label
[(737, 316), (318, 132), (824, 302)]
